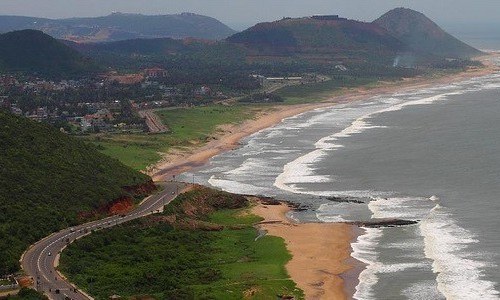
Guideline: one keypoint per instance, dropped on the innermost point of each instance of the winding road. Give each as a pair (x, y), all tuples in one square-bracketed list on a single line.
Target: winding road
[(40, 260)]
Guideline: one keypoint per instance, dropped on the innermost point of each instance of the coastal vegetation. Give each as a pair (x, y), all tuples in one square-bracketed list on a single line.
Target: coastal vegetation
[(188, 127), (203, 246), (50, 181)]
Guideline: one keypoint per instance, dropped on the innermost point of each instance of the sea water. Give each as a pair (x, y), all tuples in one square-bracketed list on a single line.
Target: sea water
[(431, 155)]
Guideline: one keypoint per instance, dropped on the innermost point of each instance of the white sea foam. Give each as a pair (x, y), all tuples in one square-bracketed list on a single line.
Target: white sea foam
[(409, 208), (302, 169), (459, 272), (299, 171), (423, 290), (253, 167), (434, 198), (332, 212), (364, 250), (234, 186), (459, 275)]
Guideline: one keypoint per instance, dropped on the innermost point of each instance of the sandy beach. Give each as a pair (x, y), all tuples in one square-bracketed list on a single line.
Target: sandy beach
[(319, 251), (179, 161)]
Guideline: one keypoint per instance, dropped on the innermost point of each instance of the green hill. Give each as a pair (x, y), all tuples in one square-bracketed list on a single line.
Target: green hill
[(34, 51), (423, 35), (47, 181), (320, 39), (120, 26)]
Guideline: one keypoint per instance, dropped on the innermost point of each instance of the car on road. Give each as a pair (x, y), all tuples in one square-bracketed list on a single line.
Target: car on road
[(49, 254)]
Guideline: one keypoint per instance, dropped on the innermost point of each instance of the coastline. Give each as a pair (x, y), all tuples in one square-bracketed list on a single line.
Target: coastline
[(327, 271), (179, 161)]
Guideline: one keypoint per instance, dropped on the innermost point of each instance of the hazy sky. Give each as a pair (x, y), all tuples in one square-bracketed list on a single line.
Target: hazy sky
[(238, 13)]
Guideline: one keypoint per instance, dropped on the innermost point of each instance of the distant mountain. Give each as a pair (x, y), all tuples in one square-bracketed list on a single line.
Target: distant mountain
[(48, 180), (119, 26), (423, 35), (35, 51), (165, 48), (319, 38)]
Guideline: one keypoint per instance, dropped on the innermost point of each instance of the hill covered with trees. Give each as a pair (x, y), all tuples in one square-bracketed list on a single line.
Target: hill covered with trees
[(36, 52), (422, 35), (48, 181), (319, 39)]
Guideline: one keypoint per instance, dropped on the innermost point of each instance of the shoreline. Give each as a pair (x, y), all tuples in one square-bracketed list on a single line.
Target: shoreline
[(179, 161), (333, 266)]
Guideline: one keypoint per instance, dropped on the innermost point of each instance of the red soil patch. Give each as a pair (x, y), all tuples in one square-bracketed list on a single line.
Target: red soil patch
[(122, 204)]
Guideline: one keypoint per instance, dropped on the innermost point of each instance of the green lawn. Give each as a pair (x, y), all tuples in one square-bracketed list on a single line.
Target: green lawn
[(151, 258)]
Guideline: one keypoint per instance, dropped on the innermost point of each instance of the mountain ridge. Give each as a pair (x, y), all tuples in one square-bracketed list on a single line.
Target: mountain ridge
[(122, 26)]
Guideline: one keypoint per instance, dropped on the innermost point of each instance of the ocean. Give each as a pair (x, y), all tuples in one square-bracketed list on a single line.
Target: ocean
[(431, 155)]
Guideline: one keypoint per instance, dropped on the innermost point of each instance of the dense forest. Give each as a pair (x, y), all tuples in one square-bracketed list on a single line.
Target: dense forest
[(48, 179)]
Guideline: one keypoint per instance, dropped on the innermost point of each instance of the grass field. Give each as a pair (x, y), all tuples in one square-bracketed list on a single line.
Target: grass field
[(188, 127), (151, 258)]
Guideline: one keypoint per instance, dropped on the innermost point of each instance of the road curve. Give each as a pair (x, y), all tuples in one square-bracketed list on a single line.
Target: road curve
[(40, 259)]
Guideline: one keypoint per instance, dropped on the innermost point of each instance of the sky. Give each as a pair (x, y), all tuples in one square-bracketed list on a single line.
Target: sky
[(240, 14)]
